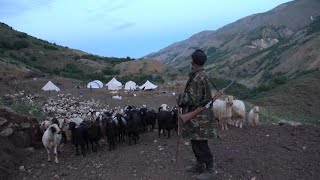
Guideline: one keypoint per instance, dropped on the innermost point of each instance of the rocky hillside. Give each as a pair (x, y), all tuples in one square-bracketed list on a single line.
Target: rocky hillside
[(251, 50)]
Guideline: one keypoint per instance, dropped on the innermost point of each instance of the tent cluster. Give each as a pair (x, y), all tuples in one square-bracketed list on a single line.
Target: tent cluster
[(113, 85)]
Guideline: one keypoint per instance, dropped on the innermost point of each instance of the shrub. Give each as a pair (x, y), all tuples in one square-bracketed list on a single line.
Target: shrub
[(20, 44), (72, 69), (49, 47), (109, 71), (25, 107), (77, 57), (33, 58), (22, 35)]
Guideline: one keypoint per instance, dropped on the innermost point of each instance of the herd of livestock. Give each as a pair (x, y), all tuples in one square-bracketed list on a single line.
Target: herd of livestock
[(84, 123)]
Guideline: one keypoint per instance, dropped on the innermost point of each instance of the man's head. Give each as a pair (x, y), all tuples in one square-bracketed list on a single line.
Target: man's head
[(198, 57)]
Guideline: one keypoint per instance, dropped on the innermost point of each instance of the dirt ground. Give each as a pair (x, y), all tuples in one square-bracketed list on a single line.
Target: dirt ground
[(264, 152)]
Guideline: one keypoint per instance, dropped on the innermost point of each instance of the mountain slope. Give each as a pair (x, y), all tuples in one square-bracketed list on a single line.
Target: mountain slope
[(235, 51), (23, 56), (298, 100)]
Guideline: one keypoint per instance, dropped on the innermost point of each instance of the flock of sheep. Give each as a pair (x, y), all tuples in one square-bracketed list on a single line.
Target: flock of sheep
[(68, 110), (232, 111)]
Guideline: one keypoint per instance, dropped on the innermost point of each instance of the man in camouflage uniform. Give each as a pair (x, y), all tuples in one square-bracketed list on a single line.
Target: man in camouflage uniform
[(198, 93)]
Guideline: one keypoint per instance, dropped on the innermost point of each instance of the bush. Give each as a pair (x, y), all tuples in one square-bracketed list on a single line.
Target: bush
[(71, 68), (109, 71), (20, 44), (77, 57), (49, 47), (25, 107), (22, 35), (33, 58)]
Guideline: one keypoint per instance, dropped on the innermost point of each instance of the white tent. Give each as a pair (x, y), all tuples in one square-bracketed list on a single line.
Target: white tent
[(130, 85), (148, 86), (114, 84), (50, 87), (93, 85), (99, 82)]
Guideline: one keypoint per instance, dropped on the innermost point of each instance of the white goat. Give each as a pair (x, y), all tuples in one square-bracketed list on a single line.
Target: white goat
[(223, 111), (51, 139), (238, 113), (253, 116)]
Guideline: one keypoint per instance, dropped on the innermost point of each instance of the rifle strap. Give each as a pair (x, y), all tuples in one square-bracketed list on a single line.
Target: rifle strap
[(213, 84)]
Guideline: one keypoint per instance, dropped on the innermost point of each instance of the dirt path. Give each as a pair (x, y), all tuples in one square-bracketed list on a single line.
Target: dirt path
[(267, 152)]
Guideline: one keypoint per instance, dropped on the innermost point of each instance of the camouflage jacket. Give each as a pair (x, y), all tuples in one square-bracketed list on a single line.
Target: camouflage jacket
[(197, 93)]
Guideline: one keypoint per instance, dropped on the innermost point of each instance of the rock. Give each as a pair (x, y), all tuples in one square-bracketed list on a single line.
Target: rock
[(186, 143), (25, 125), (10, 125), (6, 132), (2, 121), (56, 176), (253, 178), (31, 149), (21, 168), (8, 109), (43, 165)]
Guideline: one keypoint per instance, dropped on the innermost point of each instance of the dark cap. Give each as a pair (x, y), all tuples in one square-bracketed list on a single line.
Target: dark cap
[(199, 57)]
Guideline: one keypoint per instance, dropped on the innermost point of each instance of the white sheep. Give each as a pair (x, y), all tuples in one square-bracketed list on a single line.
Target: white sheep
[(253, 116), (51, 139), (223, 111), (238, 113)]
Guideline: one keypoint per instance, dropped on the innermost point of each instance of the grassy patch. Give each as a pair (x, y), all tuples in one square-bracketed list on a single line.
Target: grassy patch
[(24, 107)]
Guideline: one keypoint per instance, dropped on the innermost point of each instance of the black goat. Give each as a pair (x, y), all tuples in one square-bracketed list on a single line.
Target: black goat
[(133, 125), (167, 120), (79, 137), (111, 132), (151, 118), (122, 126), (94, 134)]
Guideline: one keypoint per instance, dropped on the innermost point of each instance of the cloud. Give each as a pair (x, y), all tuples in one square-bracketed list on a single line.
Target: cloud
[(123, 26), (16, 7)]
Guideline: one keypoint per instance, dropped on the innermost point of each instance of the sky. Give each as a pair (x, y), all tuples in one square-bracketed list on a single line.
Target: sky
[(121, 28)]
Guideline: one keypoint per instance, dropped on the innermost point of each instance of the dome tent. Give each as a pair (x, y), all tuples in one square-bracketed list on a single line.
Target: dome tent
[(93, 85), (114, 84), (99, 82), (130, 85), (148, 86), (50, 87)]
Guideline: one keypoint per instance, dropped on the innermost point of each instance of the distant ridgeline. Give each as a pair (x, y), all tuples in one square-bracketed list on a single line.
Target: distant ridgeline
[(258, 48)]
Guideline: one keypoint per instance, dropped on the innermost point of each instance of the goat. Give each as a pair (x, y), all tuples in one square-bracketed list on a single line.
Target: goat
[(223, 111)]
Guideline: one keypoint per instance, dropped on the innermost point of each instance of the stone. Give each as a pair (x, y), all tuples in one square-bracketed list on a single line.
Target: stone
[(21, 168), (31, 149), (8, 109), (3, 121), (6, 132), (25, 125), (10, 125)]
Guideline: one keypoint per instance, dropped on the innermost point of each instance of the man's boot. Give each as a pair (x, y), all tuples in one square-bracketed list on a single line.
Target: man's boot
[(199, 167), (209, 173)]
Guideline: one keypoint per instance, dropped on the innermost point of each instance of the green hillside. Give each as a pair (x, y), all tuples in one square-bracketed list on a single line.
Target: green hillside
[(22, 55)]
